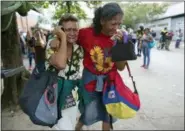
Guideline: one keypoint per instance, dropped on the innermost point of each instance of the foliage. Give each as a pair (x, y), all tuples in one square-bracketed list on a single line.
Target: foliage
[(93, 4), (72, 7), (136, 12), (63, 7)]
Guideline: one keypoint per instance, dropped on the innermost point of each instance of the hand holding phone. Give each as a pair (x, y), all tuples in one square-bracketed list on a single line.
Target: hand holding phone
[(58, 31)]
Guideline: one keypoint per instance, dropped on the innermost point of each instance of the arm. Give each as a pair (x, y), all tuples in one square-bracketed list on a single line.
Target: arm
[(147, 38), (59, 59), (40, 40)]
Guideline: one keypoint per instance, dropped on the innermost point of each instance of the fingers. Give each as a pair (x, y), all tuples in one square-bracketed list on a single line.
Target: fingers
[(59, 32), (54, 43), (119, 36)]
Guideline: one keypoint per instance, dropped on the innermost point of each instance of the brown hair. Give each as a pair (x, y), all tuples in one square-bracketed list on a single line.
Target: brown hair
[(66, 18)]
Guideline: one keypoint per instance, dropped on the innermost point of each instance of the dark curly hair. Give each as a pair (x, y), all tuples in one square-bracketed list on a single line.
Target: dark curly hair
[(107, 12)]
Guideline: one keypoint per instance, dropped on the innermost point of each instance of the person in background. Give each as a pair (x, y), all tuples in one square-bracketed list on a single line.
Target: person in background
[(153, 33), (134, 37), (39, 47), (140, 33), (169, 39), (22, 43), (164, 34), (30, 41), (179, 36), (147, 38), (123, 28)]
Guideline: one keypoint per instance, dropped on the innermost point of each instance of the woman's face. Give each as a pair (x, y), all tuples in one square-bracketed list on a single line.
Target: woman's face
[(71, 31), (109, 27)]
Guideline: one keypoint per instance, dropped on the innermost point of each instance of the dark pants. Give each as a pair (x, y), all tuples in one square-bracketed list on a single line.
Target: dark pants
[(167, 46), (31, 56), (134, 41), (41, 66), (139, 48), (23, 49), (177, 44)]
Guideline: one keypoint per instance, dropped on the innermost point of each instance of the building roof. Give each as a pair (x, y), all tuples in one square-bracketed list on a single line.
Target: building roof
[(173, 10)]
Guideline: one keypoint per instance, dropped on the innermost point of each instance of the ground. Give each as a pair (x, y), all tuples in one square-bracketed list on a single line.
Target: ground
[(161, 90)]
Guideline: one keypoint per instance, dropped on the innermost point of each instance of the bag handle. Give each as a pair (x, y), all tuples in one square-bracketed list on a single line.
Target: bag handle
[(59, 97), (130, 75)]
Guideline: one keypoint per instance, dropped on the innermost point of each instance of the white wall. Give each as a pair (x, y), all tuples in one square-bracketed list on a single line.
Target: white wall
[(177, 23)]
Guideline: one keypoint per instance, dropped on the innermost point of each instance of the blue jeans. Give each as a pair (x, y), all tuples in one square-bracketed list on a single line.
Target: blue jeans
[(41, 66), (31, 56), (177, 43), (146, 56)]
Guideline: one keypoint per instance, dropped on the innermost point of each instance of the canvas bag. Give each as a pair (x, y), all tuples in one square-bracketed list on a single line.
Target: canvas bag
[(39, 99), (119, 100), (152, 44)]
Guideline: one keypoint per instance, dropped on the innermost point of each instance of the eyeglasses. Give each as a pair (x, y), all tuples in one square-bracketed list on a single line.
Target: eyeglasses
[(70, 29)]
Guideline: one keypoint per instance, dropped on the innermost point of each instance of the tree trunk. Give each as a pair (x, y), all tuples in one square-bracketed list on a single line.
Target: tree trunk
[(11, 58), (68, 6)]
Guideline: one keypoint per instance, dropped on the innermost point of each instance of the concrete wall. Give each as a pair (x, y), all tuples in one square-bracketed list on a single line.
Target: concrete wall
[(176, 24)]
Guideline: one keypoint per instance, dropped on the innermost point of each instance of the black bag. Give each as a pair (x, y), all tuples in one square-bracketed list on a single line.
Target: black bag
[(123, 50), (39, 99)]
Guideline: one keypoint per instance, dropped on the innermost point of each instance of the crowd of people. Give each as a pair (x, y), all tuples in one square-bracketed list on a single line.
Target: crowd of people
[(68, 46), (165, 40), (167, 37), (33, 44), (35, 40)]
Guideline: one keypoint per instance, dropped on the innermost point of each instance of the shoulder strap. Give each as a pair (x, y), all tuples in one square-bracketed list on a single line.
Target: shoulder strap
[(130, 75), (71, 62), (59, 97), (46, 45)]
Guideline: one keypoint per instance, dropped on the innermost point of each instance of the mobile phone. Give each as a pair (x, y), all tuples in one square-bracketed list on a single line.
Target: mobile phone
[(62, 28)]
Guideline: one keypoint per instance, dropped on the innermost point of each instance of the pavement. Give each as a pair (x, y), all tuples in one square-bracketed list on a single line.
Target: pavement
[(161, 90)]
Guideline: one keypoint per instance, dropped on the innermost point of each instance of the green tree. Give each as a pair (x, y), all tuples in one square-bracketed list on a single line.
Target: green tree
[(136, 12), (63, 7), (93, 4), (74, 8)]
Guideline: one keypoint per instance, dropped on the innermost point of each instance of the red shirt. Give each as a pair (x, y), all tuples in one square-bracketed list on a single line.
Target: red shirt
[(88, 40)]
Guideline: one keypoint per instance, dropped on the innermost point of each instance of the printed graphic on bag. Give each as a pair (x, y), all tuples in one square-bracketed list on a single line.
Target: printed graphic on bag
[(112, 94), (70, 102)]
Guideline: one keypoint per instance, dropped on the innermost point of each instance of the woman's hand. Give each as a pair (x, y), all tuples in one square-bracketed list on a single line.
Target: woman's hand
[(55, 44), (59, 32), (118, 35)]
